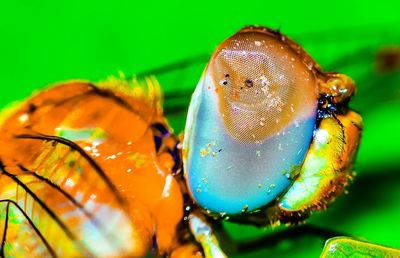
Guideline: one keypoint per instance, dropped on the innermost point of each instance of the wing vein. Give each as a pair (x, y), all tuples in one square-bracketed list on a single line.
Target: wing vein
[(76, 147), (3, 241), (47, 209), (49, 248)]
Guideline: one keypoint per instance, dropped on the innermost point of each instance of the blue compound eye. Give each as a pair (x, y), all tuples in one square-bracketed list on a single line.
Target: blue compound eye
[(250, 123)]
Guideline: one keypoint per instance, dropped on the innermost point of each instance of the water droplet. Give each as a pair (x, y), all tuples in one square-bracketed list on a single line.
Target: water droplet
[(111, 157), (69, 182), (23, 118), (203, 152), (265, 90)]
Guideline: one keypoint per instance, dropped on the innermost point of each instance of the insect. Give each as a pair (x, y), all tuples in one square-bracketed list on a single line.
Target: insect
[(94, 170)]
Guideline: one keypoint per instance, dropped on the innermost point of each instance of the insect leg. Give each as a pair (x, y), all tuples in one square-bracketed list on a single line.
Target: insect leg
[(327, 168), (204, 234)]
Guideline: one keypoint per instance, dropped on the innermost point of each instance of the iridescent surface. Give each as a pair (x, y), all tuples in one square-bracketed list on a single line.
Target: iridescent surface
[(342, 247), (76, 162), (80, 42), (204, 235), (328, 165), (249, 124)]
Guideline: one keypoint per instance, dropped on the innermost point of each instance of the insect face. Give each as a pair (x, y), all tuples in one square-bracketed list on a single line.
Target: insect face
[(250, 122)]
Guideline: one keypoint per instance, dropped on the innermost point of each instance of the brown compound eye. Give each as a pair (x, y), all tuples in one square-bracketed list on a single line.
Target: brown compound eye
[(263, 84), (250, 121)]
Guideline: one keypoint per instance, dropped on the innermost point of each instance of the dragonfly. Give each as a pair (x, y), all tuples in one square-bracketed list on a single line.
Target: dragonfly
[(370, 56), (175, 103)]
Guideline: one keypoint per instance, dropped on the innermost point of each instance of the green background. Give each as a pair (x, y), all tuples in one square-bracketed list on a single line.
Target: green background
[(44, 42)]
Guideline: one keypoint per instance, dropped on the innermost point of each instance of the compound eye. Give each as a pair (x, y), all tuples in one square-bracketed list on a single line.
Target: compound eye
[(250, 122), (263, 85)]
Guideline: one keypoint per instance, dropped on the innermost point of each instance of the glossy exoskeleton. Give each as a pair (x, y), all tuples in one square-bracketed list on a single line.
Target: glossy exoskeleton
[(94, 170)]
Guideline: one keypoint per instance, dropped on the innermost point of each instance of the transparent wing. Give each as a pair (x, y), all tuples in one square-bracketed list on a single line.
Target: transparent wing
[(57, 188), (17, 227), (60, 196)]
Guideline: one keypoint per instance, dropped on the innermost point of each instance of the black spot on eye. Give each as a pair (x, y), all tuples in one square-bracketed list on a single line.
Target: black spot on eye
[(226, 75), (32, 108), (223, 82), (249, 83)]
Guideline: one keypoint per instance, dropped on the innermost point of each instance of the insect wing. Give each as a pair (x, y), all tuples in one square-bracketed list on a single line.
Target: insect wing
[(65, 198), (65, 194)]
